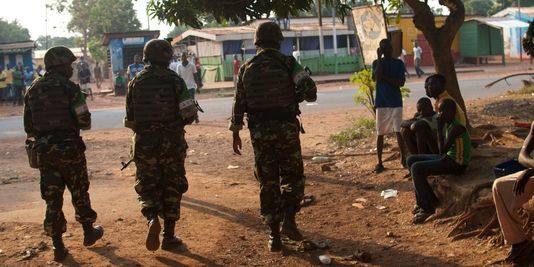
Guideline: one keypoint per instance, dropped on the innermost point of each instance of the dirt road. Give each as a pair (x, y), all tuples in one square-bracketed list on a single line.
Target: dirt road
[(220, 222)]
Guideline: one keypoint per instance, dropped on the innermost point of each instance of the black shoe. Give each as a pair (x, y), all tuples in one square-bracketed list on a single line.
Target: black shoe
[(379, 168), (152, 238), (289, 226), (60, 252), (170, 243), (92, 234), (421, 217), (275, 243)]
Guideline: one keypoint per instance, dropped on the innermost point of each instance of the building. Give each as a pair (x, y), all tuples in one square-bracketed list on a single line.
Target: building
[(216, 47), (410, 34), (482, 38), (19, 52), (123, 46), (516, 28)]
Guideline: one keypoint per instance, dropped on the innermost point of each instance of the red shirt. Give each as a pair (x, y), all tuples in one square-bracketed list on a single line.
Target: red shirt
[(237, 64)]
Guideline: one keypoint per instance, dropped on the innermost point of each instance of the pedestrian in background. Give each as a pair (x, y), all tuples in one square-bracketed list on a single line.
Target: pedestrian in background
[(237, 65), (18, 85), (97, 71), (417, 57), (188, 72), (134, 68)]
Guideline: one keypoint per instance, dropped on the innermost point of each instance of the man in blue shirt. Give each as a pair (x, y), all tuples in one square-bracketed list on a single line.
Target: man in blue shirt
[(134, 68), (388, 72)]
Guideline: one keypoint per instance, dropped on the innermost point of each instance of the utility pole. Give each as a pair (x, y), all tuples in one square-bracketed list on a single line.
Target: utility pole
[(520, 31), (321, 40), (46, 26)]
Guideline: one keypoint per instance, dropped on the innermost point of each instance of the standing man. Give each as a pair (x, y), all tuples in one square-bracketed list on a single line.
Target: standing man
[(388, 72), (237, 65), (269, 89), (98, 75), (188, 72), (134, 68), (54, 113), (158, 106), (3, 84), (417, 56), (18, 85), (84, 75), (296, 54), (8, 94), (29, 76), (509, 194)]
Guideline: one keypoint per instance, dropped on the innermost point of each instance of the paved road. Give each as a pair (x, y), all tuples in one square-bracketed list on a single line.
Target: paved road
[(328, 100)]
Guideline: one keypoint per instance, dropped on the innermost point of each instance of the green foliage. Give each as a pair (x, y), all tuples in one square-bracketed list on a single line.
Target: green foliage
[(478, 7), (191, 12), (53, 41), (98, 51), (366, 89), (93, 18), (177, 30), (12, 32), (359, 129)]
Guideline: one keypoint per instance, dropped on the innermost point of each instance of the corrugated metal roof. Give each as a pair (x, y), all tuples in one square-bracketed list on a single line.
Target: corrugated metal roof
[(501, 22)]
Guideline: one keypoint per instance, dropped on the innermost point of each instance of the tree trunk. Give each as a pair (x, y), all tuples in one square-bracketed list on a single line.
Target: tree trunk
[(440, 40), (84, 48)]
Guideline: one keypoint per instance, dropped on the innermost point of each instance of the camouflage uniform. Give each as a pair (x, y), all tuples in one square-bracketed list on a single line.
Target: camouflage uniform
[(54, 113), (159, 146), (270, 99)]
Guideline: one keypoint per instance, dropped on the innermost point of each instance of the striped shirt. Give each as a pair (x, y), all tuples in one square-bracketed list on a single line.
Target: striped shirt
[(460, 150), (460, 115)]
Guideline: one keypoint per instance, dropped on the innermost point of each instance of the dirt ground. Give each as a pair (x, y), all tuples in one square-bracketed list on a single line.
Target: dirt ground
[(220, 222)]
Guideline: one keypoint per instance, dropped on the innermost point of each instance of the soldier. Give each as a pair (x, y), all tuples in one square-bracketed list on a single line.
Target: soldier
[(269, 89), (54, 112), (158, 106)]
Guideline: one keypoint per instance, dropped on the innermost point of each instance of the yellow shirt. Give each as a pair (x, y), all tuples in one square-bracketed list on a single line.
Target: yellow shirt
[(3, 83), (460, 115), (9, 76)]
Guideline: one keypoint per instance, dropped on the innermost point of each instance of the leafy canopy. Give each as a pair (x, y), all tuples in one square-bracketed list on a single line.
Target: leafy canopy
[(12, 32), (193, 12)]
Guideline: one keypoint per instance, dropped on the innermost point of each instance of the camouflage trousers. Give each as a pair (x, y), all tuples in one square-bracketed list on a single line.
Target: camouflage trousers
[(63, 165), (160, 177), (279, 167)]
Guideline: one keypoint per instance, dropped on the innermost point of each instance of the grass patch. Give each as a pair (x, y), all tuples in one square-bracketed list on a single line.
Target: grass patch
[(526, 89), (359, 129)]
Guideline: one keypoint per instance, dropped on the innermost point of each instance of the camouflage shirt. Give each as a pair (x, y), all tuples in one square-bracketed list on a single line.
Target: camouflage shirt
[(74, 111), (304, 87), (163, 77)]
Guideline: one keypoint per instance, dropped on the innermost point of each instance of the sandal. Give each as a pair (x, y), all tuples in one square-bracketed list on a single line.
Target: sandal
[(379, 168), (416, 209), (421, 217)]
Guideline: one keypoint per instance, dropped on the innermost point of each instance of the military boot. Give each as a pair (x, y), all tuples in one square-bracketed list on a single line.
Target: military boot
[(152, 238), (289, 226), (60, 252), (275, 242), (170, 241), (91, 233)]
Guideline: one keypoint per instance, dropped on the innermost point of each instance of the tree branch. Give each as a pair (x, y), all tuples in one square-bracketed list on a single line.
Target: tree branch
[(422, 16), (453, 22)]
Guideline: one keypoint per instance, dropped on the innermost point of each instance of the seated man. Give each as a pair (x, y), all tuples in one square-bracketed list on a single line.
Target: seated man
[(453, 158), (509, 194), (419, 133), (435, 88)]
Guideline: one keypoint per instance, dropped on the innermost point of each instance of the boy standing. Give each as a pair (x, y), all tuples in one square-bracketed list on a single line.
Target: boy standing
[(388, 72)]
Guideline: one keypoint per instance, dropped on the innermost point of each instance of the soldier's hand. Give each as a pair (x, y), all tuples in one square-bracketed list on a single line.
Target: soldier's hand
[(236, 144)]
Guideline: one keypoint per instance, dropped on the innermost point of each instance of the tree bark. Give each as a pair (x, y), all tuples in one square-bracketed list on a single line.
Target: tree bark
[(440, 40)]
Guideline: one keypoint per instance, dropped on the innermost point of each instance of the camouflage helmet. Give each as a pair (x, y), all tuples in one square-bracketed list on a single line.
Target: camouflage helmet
[(268, 32), (157, 52), (58, 55)]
